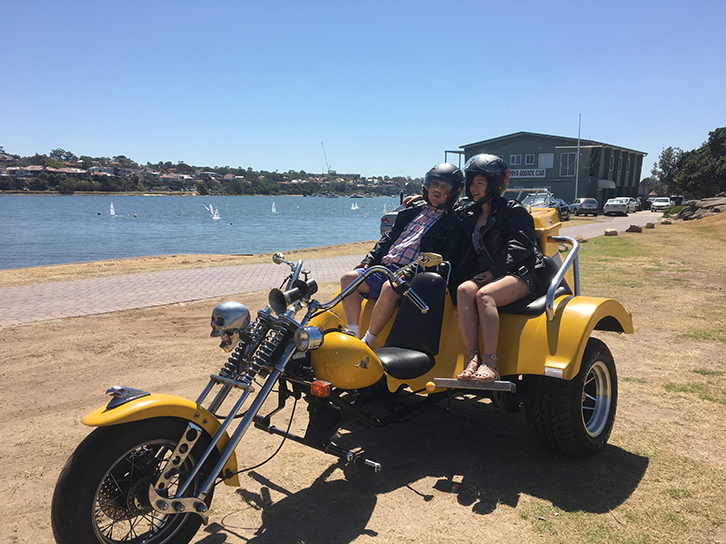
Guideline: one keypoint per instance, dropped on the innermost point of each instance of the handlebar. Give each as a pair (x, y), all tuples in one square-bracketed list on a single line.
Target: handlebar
[(424, 259)]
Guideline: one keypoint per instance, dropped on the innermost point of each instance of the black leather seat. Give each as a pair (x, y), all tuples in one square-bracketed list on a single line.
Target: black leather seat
[(535, 305)]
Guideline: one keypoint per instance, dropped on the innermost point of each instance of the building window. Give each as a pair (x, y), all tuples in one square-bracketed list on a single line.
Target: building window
[(529, 159), (620, 164), (515, 160), (612, 162), (567, 164), (627, 166), (546, 160)]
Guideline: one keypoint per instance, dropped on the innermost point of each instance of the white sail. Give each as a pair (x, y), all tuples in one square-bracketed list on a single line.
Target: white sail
[(215, 214), (274, 210), (113, 211)]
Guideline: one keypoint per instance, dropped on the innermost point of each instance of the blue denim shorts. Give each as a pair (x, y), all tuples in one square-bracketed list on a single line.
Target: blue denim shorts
[(375, 282)]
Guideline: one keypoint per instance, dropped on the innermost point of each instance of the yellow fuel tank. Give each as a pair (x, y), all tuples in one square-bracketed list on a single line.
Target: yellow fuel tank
[(346, 362)]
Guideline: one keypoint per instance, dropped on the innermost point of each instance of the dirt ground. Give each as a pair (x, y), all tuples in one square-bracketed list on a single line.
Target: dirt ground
[(470, 474)]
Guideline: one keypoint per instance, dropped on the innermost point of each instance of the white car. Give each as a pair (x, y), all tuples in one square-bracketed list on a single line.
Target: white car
[(615, 206), (630, 203), (660, 204)]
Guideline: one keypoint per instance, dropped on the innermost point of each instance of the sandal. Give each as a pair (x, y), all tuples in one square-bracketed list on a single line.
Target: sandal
[(471, 368), (486, 373)]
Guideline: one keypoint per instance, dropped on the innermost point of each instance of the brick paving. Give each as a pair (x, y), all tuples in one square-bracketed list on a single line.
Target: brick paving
[(46, 301)]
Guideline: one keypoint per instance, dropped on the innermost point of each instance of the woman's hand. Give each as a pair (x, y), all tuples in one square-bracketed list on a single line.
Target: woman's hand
[(411, 200), (483, 278)]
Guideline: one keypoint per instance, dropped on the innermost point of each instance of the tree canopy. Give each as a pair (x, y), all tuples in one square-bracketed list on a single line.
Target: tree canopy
[(700, 172)]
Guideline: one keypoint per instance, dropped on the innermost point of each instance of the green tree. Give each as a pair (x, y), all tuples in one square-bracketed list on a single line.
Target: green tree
[(62, 155), (667, 167)]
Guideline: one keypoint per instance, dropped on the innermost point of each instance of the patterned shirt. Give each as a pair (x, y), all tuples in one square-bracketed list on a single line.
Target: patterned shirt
[(408, 245)]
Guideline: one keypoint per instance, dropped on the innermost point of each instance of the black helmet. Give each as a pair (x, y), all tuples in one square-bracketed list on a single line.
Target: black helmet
[(448, 173), (491, 167)]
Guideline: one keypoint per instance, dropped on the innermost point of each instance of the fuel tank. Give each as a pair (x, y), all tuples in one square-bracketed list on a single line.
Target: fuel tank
[(345, 361)]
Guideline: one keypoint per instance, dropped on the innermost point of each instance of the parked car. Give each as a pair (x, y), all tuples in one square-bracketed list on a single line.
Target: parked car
[(676, 200), (585, 206), (548, 200), (660, 204), (389, 219), (630, 203), (563, 209), (615, 206)]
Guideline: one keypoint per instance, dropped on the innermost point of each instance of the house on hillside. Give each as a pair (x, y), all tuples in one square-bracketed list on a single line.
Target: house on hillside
[(540, 160)]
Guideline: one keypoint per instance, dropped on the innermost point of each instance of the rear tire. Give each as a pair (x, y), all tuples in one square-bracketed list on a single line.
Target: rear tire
[(101, 496), (576, 417)]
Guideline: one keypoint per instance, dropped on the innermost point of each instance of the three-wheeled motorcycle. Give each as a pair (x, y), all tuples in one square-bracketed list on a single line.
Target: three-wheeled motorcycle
[(147, 473)]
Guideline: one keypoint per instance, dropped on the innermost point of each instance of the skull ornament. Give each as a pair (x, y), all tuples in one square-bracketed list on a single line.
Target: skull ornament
[(227, 320)]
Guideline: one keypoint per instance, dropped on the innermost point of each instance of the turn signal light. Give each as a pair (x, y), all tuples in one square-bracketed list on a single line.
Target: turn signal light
[(319, 388)]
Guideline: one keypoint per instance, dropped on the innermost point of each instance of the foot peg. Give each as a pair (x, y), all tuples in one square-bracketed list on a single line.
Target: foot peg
[(453, 383)]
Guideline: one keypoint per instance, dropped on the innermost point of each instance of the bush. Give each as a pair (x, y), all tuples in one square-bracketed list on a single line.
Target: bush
[(673, 211)]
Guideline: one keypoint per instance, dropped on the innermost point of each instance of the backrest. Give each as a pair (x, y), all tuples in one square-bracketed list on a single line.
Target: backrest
[(417, 331)]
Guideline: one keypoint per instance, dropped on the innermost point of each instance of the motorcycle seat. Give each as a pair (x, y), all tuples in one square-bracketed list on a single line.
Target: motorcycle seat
[(532, 305), (403, 363)]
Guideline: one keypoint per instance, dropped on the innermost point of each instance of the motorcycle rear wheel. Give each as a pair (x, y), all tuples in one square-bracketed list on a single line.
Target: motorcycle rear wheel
[(101, 496)]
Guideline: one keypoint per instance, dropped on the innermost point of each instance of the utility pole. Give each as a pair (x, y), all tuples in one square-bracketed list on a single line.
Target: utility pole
[(577, 157)]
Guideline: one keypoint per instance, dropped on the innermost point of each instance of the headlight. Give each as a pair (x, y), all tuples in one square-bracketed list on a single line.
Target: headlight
[(308, 338)]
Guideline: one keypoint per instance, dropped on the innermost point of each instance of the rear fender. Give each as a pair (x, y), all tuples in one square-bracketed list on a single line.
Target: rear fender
[(533, 345), (160, 405)]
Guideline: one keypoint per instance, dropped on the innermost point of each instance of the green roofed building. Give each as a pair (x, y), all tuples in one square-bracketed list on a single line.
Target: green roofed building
[(540, 160)]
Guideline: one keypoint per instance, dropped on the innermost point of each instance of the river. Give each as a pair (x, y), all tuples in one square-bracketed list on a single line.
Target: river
[(40, 230)]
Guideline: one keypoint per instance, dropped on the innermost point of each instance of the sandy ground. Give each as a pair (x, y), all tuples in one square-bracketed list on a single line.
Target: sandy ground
[(470, 474)]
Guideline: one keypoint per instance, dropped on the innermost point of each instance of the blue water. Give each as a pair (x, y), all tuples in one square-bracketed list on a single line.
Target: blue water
[(53, 229)]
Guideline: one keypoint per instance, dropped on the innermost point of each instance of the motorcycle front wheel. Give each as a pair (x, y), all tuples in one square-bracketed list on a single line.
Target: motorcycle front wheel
[(101, 496)]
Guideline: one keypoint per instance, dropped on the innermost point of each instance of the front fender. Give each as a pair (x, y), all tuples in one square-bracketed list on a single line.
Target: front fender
[(160, 405)]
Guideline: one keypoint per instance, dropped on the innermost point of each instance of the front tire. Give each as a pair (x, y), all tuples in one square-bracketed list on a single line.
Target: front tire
[(576, 417), (101, 496)]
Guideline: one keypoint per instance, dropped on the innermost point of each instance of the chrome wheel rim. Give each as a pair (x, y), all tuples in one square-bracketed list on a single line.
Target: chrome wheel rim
[(596, 399)]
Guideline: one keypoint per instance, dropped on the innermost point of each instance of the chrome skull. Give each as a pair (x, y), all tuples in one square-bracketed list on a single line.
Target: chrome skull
[(227, 320)]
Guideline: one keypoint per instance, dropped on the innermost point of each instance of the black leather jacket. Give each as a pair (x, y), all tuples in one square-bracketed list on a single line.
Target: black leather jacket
[(444, 237), (508, 239)]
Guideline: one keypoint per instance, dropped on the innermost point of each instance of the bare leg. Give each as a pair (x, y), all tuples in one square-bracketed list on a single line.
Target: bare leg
[(497, 293), (384, 309), (352, 303), (469, 326)]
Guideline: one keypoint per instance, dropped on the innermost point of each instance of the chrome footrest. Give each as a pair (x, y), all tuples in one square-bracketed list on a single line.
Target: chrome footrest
[(452, 383)]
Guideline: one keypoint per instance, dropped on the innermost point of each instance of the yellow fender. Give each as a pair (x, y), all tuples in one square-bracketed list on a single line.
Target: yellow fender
[(533, 345), (160, 405)]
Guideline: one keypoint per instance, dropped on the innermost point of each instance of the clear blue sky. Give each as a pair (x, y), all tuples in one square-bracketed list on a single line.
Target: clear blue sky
[(386, 85)]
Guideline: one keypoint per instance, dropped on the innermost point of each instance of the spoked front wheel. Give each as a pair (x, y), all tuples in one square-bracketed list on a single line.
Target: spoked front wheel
[(101, 496)]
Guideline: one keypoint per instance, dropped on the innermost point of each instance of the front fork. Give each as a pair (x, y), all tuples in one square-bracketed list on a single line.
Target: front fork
[(196, 504)]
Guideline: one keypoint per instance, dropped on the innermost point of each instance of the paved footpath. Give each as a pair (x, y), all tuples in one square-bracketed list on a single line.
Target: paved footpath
[(46, 301)]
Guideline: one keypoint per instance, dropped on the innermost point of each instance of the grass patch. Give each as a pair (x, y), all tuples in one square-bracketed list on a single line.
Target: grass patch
[(703, 372), (628, 379), (704, 391)]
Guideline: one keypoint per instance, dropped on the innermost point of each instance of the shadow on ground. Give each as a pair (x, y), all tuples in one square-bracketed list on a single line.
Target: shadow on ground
[(483, 455)]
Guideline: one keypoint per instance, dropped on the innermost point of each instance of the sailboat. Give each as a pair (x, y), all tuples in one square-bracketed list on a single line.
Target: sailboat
[(274, 210), (112, 210), (354, 206), (215, 214)]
